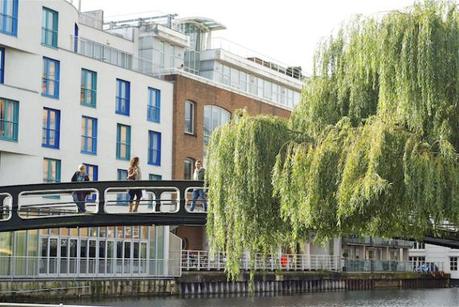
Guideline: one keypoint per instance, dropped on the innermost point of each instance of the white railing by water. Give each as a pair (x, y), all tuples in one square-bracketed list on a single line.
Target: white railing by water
[(195, 260)]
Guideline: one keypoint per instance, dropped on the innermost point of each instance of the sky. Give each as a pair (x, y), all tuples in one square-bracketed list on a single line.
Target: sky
[(285, 30)]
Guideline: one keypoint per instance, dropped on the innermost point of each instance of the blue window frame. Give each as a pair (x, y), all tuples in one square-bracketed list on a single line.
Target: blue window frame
[(154, 105), (121, 174), (9, 119), (88, 93), (2, 64), (51, 128), (123, 96), (122, 198), (50, 20), (51, 170), (9, 17), (154, 148), (75, 38), (50, 79), (93, 173), (123, 142), (89, 135), (155, 177)]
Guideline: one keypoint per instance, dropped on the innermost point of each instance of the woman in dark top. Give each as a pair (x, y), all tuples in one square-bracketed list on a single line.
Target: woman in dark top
[(79, 197)]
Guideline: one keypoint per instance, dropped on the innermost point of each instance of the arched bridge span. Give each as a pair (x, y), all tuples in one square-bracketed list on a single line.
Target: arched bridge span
[(106, 203)]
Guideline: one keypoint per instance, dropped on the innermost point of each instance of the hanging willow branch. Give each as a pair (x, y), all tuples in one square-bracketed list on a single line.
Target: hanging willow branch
[(380, 119)]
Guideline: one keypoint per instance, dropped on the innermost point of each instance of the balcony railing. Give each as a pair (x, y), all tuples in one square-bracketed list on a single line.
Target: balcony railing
[(75, 267), (370, 241), (256, 57), (391, 266)]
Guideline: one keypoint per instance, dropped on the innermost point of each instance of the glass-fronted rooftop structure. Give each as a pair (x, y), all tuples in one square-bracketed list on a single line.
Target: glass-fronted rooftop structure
[(168, 45)]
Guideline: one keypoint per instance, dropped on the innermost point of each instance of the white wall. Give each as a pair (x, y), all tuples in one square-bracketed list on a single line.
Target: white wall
[(23, 73), (438, 254)]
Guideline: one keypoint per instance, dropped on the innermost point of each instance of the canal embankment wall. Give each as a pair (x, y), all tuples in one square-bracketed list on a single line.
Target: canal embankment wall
[(209, 283)]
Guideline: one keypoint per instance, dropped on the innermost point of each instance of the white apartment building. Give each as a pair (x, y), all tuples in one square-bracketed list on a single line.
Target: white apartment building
[(60, 108)]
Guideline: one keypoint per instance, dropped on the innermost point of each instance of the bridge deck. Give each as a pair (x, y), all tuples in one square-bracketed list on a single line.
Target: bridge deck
[(106, 202)]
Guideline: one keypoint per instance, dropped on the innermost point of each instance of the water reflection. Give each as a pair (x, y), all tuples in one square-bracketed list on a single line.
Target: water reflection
[(380, 298)]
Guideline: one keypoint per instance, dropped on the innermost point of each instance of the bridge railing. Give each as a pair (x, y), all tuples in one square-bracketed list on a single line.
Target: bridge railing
[(67, 204)]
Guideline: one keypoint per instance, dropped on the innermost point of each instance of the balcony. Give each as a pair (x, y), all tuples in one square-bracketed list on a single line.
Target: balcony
[(377, 242)]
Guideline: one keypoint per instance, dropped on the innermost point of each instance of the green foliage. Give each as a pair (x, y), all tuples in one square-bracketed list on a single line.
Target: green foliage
[(374, 150), (244, 216)]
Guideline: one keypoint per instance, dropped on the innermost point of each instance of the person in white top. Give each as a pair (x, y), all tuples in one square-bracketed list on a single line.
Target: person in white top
[(135, 194), (198, 175)]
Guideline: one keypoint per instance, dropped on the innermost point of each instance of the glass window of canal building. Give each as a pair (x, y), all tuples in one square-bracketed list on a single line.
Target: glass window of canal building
[(101, 251)]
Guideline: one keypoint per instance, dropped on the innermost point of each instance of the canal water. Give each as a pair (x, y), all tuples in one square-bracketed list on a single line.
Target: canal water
[(390, 297)]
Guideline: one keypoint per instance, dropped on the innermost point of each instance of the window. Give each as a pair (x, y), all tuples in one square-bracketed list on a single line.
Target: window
[(2, 65), (154, 148), (155, 177), (188, 168), (9, 118), (51, 170), (50, 79), (89, 135), (154, 105), (121, 174), (226, 76), (453, 263), (88, 92), (267, 90), (213, 117), (51, 127), (189, 117), (122, 198), (9, 17), (49, 27), (419, 245), (123, 93), (417, 262), (75, 38), (260, 84), (92, 171), (123, 142), (243, 81)]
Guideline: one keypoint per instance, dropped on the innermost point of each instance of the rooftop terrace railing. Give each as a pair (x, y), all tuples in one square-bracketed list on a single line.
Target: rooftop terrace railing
[(256, 57)]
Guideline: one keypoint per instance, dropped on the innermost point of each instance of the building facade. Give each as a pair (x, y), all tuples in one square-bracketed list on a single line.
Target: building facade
[(70, 95), (74, 90), (448, 257)]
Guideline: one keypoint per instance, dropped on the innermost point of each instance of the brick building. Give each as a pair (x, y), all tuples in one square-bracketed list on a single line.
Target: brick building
[(190, 137)]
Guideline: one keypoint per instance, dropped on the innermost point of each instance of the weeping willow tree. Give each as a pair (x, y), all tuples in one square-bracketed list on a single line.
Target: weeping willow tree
[(371, 149)]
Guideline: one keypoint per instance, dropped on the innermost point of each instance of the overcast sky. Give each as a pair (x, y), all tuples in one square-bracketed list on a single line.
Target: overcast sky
[(286, 30)]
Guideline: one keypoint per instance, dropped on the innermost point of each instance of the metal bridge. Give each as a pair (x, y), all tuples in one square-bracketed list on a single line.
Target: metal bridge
[(52, 205)]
